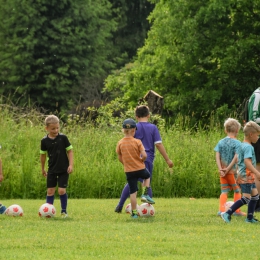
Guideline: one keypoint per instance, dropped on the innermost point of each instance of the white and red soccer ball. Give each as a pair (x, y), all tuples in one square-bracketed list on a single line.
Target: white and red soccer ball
[(14, 210), (146, 210), (128, 208), (228, 204), (47, 210)]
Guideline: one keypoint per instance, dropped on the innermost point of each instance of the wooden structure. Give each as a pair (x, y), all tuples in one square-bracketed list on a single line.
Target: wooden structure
[(154, 102)]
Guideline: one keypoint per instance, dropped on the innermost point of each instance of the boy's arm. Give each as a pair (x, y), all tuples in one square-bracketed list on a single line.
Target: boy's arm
[(1, 171), (143, 155), (233, 162), (163, 152), (220, 170), (43, 160), (70, 157), (250, 167)]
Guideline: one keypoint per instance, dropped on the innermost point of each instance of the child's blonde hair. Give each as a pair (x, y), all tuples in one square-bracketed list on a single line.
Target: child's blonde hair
[(251, 127), (231, 125), (127, 131), (51, 119)]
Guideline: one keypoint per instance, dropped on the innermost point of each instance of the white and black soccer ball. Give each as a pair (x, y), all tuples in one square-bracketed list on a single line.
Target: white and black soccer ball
[(47, 210), (128, 209), (146, 210), (228, 204), (14, 210)]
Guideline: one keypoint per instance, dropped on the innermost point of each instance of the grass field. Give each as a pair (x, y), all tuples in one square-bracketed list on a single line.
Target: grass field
[(181, 229)]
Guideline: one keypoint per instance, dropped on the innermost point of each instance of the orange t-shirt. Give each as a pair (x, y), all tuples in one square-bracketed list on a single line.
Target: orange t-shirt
[(130, 150)]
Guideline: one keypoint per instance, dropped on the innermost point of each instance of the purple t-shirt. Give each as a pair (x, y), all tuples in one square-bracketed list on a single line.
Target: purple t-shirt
[(149, 135)]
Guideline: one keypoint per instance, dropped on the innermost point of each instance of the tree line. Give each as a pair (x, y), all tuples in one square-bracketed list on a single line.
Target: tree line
[(57, 53), (201, 56)]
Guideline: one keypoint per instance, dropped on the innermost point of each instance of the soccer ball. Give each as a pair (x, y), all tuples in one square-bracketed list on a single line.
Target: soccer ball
[(14, 210), (47, 210), (128, 209), (228, 204), (146, 210)]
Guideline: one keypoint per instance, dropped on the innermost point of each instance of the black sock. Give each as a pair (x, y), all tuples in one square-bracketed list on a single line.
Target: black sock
[(251, 208), (238, 204)]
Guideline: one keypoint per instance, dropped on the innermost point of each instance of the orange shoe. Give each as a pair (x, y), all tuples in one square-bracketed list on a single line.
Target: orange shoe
[(239, 213)]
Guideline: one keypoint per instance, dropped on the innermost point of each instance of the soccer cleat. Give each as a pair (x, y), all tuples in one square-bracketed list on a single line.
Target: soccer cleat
[(240, 213), (2, 209), (219, 213), (118, 209), (134, 216), (253, 220), (226, 217), (64, 215), (147, 199)]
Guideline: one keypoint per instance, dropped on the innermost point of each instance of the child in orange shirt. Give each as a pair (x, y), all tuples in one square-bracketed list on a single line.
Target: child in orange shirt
[(131, 154)]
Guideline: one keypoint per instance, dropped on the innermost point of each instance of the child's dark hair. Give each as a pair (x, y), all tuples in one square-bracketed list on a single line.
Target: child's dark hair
[(142, 111)]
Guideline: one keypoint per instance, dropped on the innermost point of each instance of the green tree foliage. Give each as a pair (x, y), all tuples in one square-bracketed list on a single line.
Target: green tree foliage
[(133, 25), (200, 55), (47, 47)]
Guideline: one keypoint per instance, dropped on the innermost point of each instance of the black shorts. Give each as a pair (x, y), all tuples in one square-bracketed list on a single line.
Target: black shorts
[(257, 150), (132, 179), (57, 178)]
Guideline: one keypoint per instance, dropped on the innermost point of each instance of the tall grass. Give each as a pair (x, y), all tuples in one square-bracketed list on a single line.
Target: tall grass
[(97, 171)]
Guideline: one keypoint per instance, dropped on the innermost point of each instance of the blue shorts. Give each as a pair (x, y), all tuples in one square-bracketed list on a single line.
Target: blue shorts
[(132, 179), (247, 187)]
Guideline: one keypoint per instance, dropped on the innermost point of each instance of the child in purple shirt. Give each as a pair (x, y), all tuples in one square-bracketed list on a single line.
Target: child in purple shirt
[(149, 135)]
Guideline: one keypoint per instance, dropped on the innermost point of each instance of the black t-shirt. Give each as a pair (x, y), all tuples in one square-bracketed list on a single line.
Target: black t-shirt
[(58, 161)]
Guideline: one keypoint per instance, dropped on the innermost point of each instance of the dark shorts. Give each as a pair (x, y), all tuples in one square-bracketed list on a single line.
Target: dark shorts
[(257, 150), (149, 168), (132, 179), (247, 187), (57, 178)]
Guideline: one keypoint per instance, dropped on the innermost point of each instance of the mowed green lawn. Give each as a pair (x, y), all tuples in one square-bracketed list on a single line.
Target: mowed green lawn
[(181, 229)]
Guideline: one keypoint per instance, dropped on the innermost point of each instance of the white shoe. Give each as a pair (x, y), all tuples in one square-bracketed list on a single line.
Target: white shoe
[(64, 215)]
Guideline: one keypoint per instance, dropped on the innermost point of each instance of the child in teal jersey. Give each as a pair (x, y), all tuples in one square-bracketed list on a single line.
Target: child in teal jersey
[(226, 159), (246, 174)]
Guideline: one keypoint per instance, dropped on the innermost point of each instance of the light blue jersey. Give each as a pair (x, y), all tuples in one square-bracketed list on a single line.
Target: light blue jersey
[(246, 151), (227, 148)]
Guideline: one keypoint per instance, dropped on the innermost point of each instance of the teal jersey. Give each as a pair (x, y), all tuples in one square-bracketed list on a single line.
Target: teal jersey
[(227, 148), (244, 175), (254, 107)]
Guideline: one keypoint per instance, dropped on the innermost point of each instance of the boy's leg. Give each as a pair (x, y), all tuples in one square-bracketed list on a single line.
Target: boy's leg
[(133, 201), (257, 183), (226, 216), (124, 195), (225, 188), (252, 204), (51, 187), (222, 201), (2, 209), (149, 167), (62, 184), (63, 200), (251, 207), (238, 212), (237, 193), (145, 197), (132, 180)]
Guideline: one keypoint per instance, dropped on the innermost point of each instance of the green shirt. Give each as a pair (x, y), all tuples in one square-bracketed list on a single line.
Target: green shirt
[(254, 107)]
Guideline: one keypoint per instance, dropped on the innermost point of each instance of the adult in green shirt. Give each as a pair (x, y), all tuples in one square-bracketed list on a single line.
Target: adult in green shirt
[(254, 115)]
